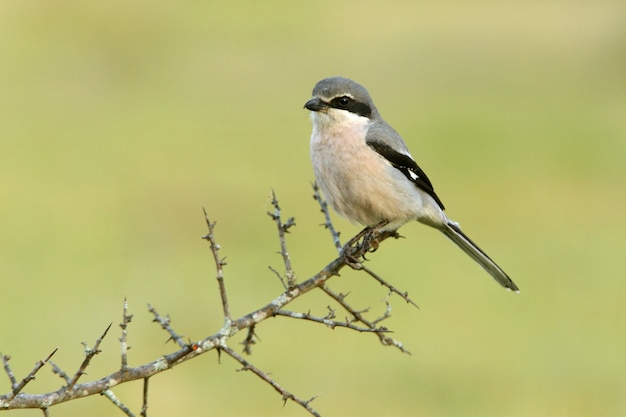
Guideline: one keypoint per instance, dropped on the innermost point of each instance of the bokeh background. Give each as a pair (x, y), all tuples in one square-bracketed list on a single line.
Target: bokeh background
[(120, 120)]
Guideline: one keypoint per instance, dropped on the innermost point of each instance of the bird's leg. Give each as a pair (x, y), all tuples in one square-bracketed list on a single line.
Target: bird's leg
[(358, 236)]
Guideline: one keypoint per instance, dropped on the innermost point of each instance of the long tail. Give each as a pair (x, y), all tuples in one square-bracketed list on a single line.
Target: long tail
[(464, 242)]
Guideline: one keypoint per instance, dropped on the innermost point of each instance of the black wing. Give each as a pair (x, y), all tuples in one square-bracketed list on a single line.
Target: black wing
[(406, 165)]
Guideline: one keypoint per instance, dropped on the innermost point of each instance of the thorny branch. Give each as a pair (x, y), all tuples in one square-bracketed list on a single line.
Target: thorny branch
[(328, 224), (330, 323), (219, 264), (7, 369), (17, 387), (250, 340), (352, 254), (89, 354), (126, 318), (392, 289), (247, 366), (165, 325), (144, 406), (111, 396), (59, 372), (359, 316), (283, 228)]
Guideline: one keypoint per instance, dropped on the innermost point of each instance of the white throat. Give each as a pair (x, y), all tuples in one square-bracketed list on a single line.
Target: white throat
[(334, 123)]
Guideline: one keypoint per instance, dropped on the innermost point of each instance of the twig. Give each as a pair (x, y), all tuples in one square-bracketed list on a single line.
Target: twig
[(340, 299), (330, 323), (144, 406), (165, 325), (126, 318), (247, 366), (385, 315), (280, 277), (249, 340), (328, 224), (89, 354), (111, 396), (7, 368), (20, 386), (390, 287), (59, 372), (219, 265), (283, 228)]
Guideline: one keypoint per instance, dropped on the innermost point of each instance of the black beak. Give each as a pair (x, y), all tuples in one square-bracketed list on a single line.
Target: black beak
[(315, 104)]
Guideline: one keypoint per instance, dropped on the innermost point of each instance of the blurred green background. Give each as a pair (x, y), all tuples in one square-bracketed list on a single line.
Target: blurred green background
[(121, 120)]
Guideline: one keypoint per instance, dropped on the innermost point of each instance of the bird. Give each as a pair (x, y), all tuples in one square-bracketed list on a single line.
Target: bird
[(367, 174)]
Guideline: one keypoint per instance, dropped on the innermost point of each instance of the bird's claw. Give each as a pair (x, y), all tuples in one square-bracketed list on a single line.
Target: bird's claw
[(348, 253), (364, 242)]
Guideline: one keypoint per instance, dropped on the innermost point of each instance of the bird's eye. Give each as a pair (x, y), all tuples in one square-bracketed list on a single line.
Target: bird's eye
[(344, 101)]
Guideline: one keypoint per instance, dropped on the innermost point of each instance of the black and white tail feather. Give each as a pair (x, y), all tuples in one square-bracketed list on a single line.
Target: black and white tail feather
[(455, 234)]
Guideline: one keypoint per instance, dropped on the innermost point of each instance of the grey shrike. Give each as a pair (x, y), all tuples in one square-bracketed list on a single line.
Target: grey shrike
[(367, 174)]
